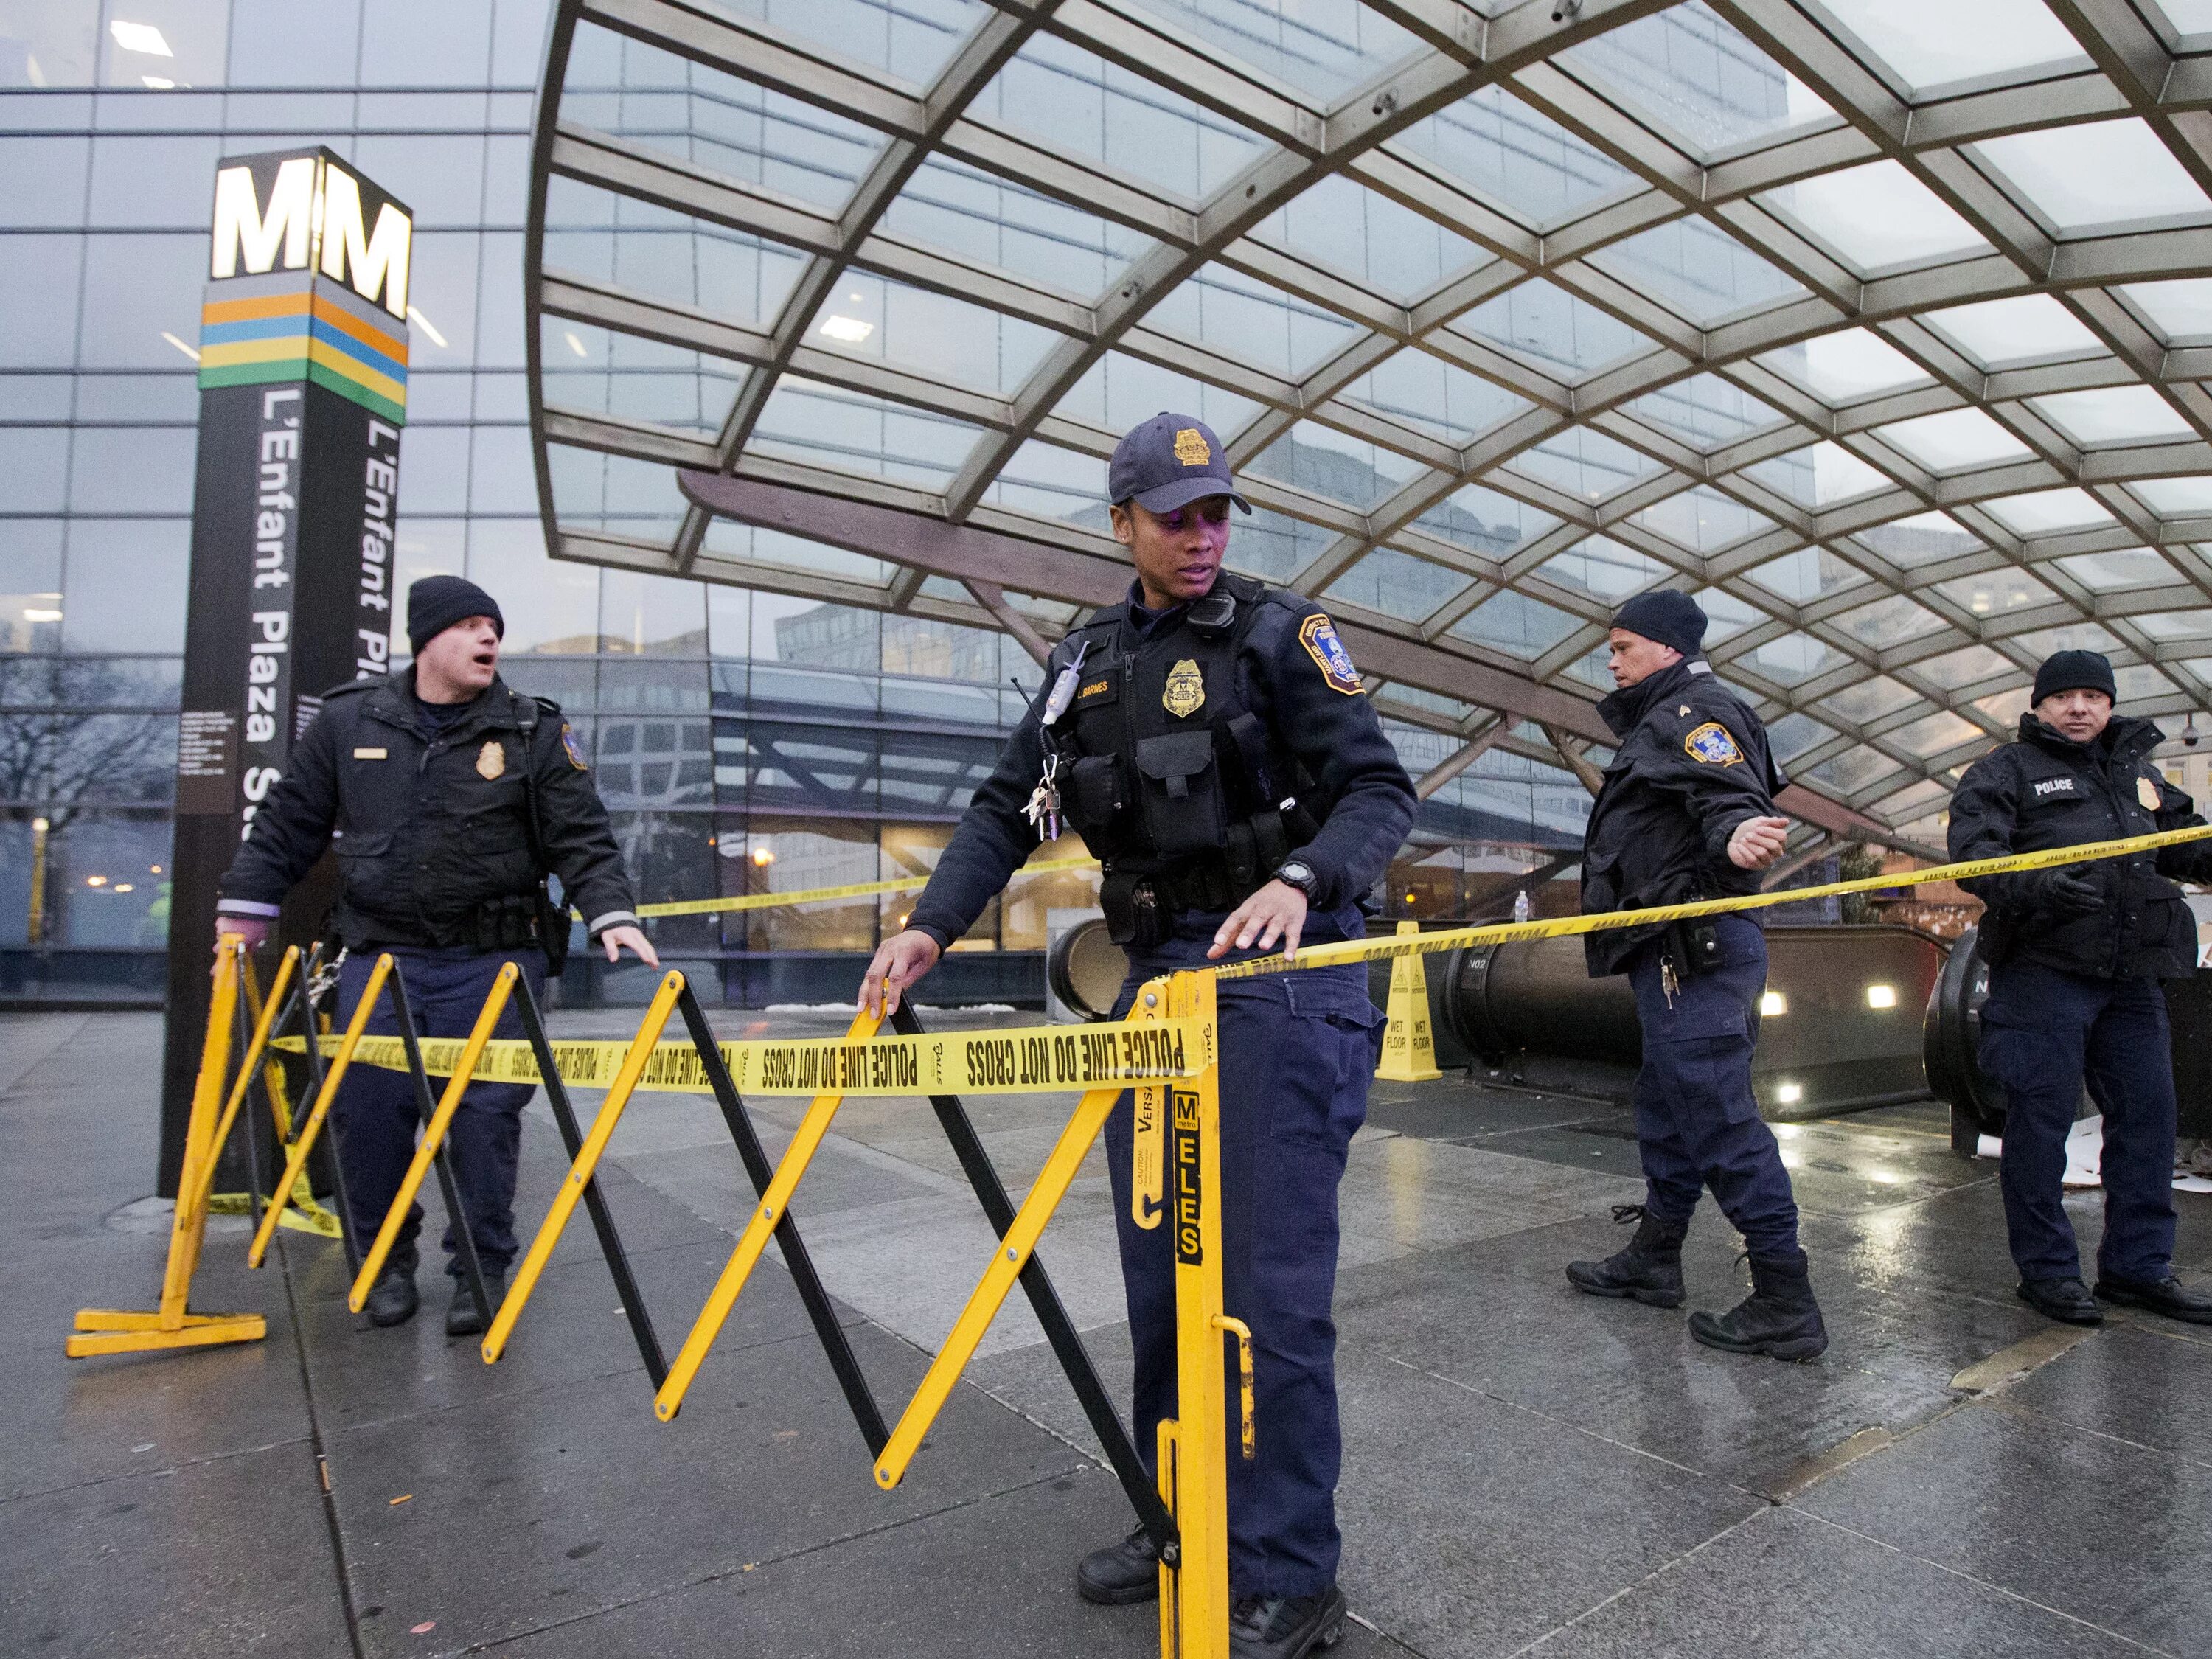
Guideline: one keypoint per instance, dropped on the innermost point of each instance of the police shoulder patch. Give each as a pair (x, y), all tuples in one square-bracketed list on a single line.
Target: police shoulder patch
[(2146, 792), (1318, 634), (569, 745), (1709, 744)]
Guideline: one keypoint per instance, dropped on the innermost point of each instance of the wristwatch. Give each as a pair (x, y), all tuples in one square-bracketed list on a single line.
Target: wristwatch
[(1296, 872)]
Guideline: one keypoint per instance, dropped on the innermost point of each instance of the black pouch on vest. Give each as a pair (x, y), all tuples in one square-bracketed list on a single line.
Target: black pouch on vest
[(1695, 944), (1131, 907), (551, 921), (1179, 790), (1092, 794)]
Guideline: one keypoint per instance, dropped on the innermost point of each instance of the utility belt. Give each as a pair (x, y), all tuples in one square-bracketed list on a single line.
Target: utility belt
[(1140, 907), (516, 921)]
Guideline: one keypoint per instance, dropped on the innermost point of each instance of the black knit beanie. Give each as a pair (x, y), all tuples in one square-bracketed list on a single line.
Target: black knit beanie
[(434, 604), (2075, 671), (1668, 616)]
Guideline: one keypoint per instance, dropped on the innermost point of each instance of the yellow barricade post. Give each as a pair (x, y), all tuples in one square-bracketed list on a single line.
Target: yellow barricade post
[(1409, 1049), (431, 1144), (1199, 1591), (668, 1400), (310, 1216), (172, 1325)]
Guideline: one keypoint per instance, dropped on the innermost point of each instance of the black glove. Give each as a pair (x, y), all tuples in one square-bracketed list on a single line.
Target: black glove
[(2066, 893)]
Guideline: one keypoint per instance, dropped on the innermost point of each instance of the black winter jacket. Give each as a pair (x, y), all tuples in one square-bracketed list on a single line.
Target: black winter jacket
[(428, 829), (1310, 703), (1693, 764), (2045, 790)]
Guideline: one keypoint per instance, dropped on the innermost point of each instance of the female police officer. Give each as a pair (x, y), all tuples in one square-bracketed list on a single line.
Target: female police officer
[(1216, 750), (449, 800)]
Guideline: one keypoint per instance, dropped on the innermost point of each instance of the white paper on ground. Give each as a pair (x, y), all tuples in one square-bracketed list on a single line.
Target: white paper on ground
[(2084, 1153), (2085, 1148)]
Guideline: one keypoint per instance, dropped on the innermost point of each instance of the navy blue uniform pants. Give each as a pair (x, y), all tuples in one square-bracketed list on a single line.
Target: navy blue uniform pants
[(2044, 1032), (1697, 1123), (1297, 1053), (376, 1115)]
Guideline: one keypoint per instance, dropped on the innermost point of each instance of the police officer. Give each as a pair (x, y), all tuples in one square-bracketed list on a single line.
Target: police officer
[(1687, 812), (2077, 954), (1210, 739), (448, 799)]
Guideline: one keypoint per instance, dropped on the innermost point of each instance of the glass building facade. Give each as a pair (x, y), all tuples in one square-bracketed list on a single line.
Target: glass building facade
[(746, 738), (1879, 329)]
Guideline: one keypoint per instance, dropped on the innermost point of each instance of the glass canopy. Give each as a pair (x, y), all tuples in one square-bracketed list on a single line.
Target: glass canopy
[(1877, 324)]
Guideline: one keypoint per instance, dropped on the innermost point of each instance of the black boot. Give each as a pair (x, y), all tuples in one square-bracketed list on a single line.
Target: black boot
[(2062, 1298), (392, 1299), (1649, 1267), (2166, 1296), (1779, 1318), (1285, 1627), (1121, 1573), (461, 1318)]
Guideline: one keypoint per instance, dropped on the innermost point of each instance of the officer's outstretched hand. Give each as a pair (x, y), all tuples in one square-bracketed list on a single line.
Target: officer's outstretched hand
[(1758, 842), (900, 960), (1277, 909), (632, 939)]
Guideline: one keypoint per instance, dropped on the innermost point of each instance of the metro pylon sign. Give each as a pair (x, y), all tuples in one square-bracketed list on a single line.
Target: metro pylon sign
[(303, 353)]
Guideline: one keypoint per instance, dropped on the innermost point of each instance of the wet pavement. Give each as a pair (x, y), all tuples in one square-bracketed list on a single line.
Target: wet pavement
[(1525, 1471)]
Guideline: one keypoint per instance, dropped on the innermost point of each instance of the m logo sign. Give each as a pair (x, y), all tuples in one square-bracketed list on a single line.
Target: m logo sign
[(300, 212)]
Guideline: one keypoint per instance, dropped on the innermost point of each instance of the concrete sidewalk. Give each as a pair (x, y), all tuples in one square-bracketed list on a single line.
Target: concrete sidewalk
[(1525, 1469)]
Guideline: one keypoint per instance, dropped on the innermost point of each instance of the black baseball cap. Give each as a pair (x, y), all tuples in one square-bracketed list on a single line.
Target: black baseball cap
[(1170, 461)]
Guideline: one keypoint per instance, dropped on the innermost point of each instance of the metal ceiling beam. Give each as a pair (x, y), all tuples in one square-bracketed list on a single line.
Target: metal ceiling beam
[(1879, 122)]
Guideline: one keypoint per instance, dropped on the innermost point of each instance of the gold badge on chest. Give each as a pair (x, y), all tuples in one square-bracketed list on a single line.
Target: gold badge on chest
[(2146, 792), (491, 759), (1185, 691)]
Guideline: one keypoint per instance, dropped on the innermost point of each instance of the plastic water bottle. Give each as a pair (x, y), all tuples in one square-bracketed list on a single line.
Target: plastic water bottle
[(1521, 906)]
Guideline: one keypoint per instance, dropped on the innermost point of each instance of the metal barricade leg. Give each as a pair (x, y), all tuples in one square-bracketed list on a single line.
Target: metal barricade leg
[(669, 1400), (326, 1092), (579, 1181), (1006, 1263), (836, 1344), (173, 1325), (431, 1149), (1044, 1301)]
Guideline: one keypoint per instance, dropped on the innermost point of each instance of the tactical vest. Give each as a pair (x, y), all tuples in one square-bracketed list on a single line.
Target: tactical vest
[(1177, 786)]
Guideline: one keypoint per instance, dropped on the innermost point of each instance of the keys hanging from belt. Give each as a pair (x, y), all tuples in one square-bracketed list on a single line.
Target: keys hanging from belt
[(1670, 982), (1043, 809)]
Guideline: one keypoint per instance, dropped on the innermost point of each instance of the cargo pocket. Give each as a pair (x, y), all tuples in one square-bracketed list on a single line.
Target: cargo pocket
[(1180, 788), (1332, 1038)]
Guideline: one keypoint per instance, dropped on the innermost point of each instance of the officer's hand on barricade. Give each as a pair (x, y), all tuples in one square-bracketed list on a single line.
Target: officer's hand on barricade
[(1277, 909), (2065, 893), (1757, 842), (900, 960), (254, 930)]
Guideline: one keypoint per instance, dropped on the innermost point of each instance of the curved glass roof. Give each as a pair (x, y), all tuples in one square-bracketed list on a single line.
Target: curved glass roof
[(1877, 324)]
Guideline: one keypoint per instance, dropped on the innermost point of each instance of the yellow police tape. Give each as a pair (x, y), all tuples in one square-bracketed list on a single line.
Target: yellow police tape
[(1016, 1061), (819, 895), (1453, 938), (1024, 1059)]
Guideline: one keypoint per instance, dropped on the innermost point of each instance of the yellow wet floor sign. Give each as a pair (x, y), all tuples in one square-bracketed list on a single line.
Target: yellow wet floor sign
[(1409, 1048)]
